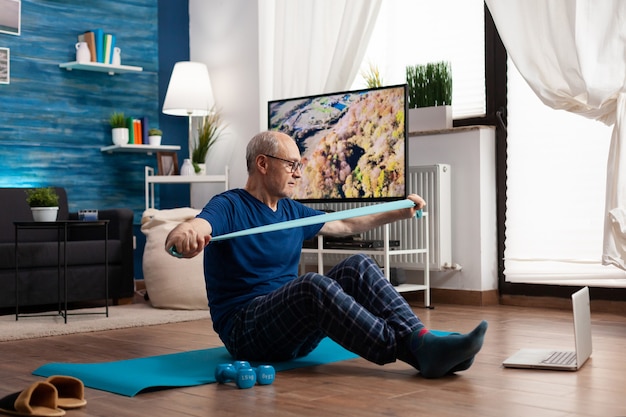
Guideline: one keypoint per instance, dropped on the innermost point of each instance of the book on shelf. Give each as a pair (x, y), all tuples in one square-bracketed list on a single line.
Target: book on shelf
[(90, 39), (131, 130), (109, 44), (137, 134), (144, 129), (99, 40)]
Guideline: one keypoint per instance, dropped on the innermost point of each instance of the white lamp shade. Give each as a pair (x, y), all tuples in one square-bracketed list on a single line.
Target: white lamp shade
[(189, 91)]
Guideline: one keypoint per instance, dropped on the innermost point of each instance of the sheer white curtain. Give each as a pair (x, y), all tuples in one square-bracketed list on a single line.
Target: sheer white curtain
[(311, 47), (572, 54)]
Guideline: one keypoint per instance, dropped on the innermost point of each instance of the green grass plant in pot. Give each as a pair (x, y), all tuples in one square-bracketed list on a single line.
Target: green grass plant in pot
[(44, 203), (430, 85), (119, 130), (208, 132)]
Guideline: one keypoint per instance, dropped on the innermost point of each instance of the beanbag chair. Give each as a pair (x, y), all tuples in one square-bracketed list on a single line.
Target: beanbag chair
[(171, 282)]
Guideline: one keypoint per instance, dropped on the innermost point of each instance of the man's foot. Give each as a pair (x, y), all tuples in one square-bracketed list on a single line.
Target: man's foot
[(441, 355), (463, 366)]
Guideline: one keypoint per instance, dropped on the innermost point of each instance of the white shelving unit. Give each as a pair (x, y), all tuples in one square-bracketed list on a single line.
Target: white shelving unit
[(386, 253), (99, 67), (129, 148), (152, 179)]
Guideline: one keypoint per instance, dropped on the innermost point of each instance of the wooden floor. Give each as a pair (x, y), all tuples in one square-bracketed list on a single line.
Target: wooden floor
[(356, 387)]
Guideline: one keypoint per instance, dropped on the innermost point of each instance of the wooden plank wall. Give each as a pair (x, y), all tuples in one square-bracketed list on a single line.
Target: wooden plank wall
[(53, 122)]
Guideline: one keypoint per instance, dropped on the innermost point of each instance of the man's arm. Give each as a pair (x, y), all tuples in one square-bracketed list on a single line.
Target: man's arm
[(364, 223), (190, 237)]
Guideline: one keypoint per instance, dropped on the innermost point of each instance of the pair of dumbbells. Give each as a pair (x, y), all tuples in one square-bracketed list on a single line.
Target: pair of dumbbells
[(244, 375)]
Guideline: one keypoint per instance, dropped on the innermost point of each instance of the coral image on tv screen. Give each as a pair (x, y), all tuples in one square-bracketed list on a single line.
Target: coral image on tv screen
[(353, 144)]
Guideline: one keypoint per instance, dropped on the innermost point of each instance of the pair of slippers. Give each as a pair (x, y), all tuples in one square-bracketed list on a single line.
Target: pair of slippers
[(49, 398)]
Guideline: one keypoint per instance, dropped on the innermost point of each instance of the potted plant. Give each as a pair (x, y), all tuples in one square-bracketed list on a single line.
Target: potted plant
[(154, 136), (372, 77), (209, 131), (44, 203), (430, 90), (117, 120)]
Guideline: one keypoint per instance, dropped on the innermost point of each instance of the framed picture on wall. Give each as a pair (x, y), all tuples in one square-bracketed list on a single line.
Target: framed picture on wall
[(167, 163), (10, 16), (5, 63)]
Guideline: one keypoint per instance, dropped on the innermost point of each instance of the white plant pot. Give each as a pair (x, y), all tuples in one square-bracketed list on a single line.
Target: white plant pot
[(120, 135), (154, 140), (202, 169), (44, 214), (430, 118)]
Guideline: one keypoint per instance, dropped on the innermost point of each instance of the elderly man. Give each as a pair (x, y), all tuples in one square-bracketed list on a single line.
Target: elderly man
[(263, 311)]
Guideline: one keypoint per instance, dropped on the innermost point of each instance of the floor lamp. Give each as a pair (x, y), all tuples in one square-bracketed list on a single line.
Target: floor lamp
[(189, 93)]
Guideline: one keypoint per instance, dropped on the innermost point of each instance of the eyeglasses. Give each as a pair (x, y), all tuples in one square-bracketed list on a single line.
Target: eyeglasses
[(293, 165)]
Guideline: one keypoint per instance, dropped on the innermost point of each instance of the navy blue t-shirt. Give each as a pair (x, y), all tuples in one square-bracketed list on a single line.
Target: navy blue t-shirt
[(240, 269)]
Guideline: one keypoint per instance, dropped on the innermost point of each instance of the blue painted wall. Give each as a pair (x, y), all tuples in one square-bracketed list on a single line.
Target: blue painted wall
[(173, 32), (53, 122), (173, 47)]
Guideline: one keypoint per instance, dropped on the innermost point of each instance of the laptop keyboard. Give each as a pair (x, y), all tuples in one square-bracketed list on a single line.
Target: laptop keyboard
[(560, 358)]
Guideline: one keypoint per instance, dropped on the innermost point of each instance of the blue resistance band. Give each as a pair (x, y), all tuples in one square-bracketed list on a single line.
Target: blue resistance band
[(321, 218)]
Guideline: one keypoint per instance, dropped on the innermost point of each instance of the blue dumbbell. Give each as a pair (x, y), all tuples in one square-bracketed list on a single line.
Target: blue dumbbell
[(265, 374), (240, 372)]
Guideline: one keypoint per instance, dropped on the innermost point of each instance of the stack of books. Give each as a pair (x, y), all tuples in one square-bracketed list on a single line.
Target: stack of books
[(100, 45), (137, 130)]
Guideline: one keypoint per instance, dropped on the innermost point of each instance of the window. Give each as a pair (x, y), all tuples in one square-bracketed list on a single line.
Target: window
[(410, 32), (556, 183)]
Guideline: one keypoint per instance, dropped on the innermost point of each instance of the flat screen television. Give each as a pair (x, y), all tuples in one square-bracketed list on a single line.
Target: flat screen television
[(353, 143)]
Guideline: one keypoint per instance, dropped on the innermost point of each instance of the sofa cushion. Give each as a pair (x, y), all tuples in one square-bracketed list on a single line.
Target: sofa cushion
[(171, 282)]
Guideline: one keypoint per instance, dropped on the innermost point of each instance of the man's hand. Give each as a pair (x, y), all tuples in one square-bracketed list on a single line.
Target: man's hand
[(419, 204), (188, 239)]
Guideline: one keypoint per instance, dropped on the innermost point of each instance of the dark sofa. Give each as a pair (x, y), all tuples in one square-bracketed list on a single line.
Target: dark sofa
[(38, 255)]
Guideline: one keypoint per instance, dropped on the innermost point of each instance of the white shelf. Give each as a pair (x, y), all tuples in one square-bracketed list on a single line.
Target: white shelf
[(184, 179), (99, 67), (387, 253), (152, 179), (149, 149)]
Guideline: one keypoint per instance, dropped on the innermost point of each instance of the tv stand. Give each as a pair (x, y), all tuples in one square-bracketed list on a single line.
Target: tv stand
[(387, 252)]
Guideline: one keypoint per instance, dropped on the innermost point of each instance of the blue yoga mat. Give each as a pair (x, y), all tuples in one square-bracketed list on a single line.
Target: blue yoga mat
[(130, 377)]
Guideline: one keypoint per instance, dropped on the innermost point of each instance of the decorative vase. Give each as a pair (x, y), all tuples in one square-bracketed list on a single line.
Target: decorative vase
[(202, 170), (82, 52), (430, 118), (120, 135), (154, 140), (117, 57), (44, 214), (187, 168)]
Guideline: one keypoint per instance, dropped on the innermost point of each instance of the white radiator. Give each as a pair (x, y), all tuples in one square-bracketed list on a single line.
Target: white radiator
[(432, 182)]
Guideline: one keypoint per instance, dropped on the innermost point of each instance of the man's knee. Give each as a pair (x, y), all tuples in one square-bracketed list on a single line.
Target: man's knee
[(361, 261), (315, 280)]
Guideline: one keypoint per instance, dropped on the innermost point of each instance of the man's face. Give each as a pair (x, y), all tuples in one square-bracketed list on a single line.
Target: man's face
[(284, 168)]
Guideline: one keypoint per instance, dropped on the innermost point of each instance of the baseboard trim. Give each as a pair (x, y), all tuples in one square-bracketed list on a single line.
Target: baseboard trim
[(597, 306), (492, 297), (462, 297)]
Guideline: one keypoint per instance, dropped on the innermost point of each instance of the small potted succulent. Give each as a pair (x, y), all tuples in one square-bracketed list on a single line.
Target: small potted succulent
[(154, 136), (44, 203), (119, 131)]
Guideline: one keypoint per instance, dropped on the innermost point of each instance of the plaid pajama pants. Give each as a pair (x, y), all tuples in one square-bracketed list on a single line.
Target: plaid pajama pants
[(354, 305)]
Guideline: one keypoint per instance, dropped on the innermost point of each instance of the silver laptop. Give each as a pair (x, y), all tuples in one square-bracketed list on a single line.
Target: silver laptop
[(561, 360)]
